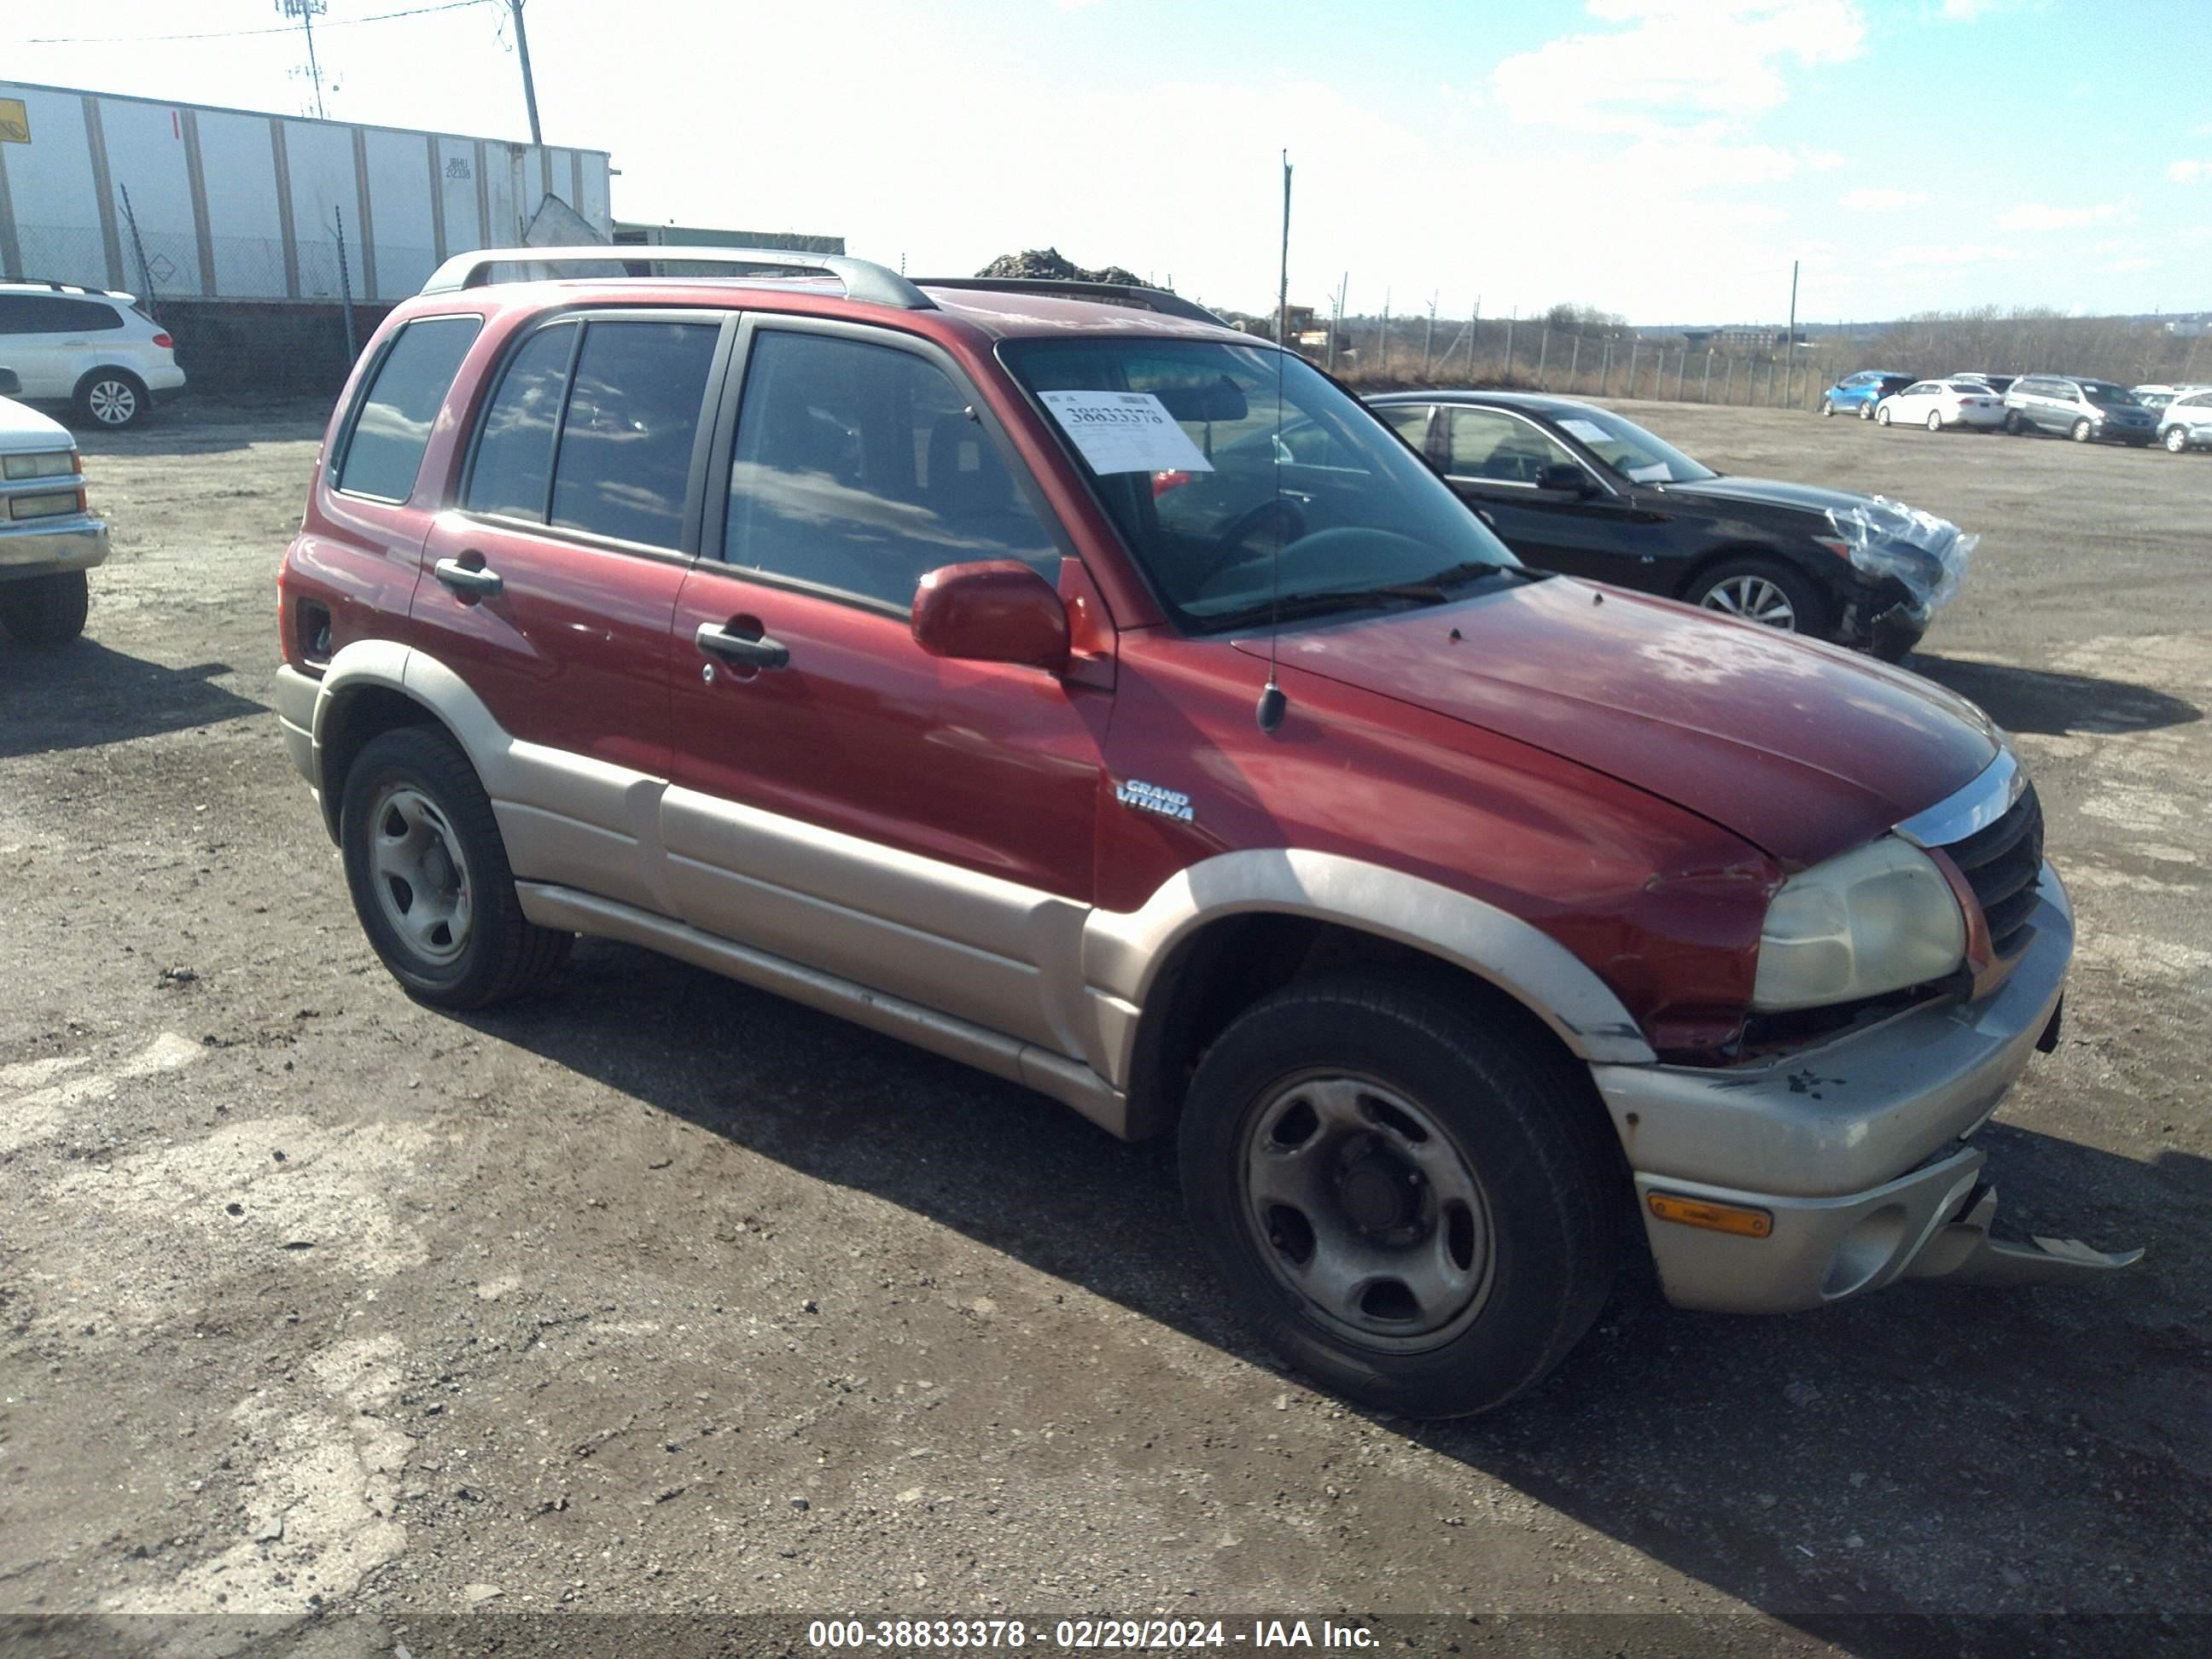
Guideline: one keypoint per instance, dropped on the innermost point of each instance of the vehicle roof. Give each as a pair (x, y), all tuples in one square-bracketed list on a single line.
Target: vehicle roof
[(1541, 403), (998, 314)]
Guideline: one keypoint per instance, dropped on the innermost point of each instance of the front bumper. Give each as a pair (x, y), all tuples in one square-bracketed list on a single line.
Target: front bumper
[(40, 547), (1855, 1149), (296, 693)]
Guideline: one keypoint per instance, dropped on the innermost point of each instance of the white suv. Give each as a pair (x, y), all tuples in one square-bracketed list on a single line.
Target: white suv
[(90, 347)]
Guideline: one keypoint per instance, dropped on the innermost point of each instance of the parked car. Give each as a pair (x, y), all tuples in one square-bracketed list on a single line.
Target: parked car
[(89, 349), (2156, 396), (2082, 409), (1938, 403), (2186, 423), (841, 637), (1858, 394), (1578, 488), (48, 539)]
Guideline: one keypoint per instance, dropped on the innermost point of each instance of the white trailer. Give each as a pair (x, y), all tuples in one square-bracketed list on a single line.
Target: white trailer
[(231, 204)]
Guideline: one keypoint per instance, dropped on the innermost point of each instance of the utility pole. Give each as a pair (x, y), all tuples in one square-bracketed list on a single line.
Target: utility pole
[(1283, 282), (530, 86), (1336, 326), (306, 11), (1790, 340), (1429, 339)]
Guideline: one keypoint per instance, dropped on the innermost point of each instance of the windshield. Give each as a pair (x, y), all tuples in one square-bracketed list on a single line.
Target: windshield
[(1233, 500), (1630, 451), (2100, 392)]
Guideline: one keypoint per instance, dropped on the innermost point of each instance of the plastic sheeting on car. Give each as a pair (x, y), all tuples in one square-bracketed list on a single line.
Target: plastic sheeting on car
[(1888, 539)]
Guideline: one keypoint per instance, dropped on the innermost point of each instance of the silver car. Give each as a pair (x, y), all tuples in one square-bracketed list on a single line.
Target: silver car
[(2186, 423), (2081, 409)]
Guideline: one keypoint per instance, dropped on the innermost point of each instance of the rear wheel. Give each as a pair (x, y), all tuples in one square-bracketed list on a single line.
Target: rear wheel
[(2082, 431), (430, 879), (1866, 411), (1414, 1203), (112, 399), (46, 609), (1764, 591)]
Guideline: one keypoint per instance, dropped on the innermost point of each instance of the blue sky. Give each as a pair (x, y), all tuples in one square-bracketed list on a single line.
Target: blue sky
[(1667, 159)]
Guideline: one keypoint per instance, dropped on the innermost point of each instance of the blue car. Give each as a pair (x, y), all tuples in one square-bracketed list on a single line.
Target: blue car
[(1857, 394)]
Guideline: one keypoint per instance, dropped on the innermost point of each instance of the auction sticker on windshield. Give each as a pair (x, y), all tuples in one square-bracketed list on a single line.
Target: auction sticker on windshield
[(1588, 431), (1125, 432)]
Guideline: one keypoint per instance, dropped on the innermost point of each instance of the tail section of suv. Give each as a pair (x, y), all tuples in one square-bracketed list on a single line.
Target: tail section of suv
[(2082, 410), (866, 640), (2185, 422), (87, 349)]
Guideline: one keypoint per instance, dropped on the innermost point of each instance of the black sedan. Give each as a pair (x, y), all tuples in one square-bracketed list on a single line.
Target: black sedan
[(1576, 488)]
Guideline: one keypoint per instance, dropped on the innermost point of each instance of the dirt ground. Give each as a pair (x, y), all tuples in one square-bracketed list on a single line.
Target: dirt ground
[(660, 1295)]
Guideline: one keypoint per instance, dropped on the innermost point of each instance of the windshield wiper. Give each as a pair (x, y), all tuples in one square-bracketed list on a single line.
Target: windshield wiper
[(1293, 607), (1468, 570)]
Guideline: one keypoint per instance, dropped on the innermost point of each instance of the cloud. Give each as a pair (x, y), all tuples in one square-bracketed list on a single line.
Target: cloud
[(1967, 11), (2131, 265), (1883, 201), (1824, 160), (1948, 258), (2188, 173), (2036, 215), (1677, 61)]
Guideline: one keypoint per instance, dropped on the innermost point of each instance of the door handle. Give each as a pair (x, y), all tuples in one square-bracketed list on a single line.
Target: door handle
[(757, 651), (470, 581)]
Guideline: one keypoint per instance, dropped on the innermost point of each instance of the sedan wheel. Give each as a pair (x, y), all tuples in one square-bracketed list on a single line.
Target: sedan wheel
[(1934, 421), (1754, 599), (1828, 408), (2081, 430), (1866, 411), (1882, 415)]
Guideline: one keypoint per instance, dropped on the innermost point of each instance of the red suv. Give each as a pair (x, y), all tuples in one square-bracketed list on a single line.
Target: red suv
[(1062, 680)]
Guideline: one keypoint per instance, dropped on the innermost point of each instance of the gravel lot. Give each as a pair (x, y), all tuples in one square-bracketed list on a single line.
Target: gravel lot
[(662, 1295)]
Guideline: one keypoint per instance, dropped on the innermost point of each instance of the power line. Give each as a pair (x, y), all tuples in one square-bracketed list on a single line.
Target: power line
[(234, 34)]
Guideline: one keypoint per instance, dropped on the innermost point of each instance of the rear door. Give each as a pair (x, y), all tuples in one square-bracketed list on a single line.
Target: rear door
[(1492, 458), (922, 826), (549, 581), (51, 340)]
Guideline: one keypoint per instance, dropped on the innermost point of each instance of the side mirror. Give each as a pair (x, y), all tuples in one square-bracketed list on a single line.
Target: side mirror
[(991, 611), (11, 383), (1563, 477)]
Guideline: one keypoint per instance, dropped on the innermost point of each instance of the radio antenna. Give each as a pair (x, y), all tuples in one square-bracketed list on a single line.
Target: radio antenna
[(1273, 703)]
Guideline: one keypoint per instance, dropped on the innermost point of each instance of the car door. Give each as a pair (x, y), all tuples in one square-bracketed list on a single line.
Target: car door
[(839, 797), (1492, 458), (44, 337), (549, 581)]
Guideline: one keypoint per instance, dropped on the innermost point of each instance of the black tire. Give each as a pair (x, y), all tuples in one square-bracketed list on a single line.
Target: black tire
[(2081, 432), (46, 609), (501, 953), (1553, 1186), (1808, 610), (1827, 408), (111, 399), (2014, 426)]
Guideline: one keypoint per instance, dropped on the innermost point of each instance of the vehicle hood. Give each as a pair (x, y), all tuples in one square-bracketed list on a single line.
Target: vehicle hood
[(1769, 492), (22, 429), (1803, 750)]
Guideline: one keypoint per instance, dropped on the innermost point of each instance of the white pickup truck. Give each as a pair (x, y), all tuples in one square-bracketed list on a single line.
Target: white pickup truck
[(48, 539)]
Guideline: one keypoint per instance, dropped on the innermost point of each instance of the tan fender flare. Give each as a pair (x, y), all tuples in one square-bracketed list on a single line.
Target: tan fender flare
[(1124, 952)]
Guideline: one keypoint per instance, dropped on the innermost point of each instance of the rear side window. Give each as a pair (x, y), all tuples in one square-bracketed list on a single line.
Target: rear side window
[(392, 427), (632, 416), (513, 470), (56, 313), (1409, 421), (858, 468)]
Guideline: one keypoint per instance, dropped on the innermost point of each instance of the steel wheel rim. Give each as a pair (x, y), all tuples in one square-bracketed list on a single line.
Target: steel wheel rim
[(111, 402), (1364, 1208), (420, 878), (1754, 599)]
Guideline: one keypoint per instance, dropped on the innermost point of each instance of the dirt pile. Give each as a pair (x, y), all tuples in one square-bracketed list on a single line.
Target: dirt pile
[(1050, 265)]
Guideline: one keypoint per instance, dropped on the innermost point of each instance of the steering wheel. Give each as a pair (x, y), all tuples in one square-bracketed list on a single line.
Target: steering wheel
[(1230, 538)]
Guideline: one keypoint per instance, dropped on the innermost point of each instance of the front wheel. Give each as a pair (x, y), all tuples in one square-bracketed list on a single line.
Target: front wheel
[(2176, 440), (2082, 431), (46, 609), (1882, 415), (1764, 591), (430, 879), (1417, 1205), (1827, 408), (2014, 426), (1934, 421)]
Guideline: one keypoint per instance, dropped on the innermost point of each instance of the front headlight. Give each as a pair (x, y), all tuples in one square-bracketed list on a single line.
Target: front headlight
[(1875, 919)]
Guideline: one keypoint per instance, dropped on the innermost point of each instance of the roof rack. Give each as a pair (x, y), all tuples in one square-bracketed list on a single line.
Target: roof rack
[(1127, 294), (863, 279), (56, 284)]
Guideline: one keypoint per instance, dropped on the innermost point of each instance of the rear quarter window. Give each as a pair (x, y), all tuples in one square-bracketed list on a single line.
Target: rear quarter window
[(383, 449)]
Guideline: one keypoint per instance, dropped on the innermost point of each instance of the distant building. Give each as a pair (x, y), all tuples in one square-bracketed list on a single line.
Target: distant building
[(693, 236), (1739, 336)]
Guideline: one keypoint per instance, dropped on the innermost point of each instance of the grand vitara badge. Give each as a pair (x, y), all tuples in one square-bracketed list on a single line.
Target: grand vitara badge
[(1150, 797)]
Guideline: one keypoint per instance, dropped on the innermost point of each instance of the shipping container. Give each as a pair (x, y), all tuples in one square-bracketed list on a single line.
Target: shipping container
[(190, 202)]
